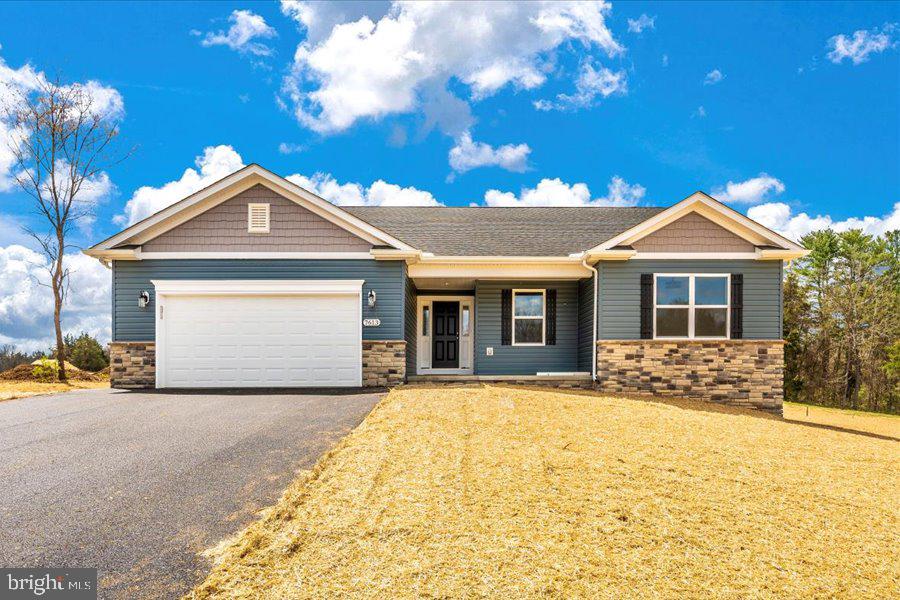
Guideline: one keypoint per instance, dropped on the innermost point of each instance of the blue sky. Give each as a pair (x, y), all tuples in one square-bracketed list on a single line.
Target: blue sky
[(788, 111)]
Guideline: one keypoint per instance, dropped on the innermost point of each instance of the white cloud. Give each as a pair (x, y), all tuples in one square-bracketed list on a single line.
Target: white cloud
[(713, 77), (641, 23), (591, 83), (290, 148), (862, 44), (379, 193), (215, 163), (780, 217), (246, 28), (468, 154), (555, 192), (752, 191), (26, 303), (371, 68), (318, 18)]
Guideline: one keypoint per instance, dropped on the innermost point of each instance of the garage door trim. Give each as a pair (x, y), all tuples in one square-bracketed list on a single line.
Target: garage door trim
[(257, 287)]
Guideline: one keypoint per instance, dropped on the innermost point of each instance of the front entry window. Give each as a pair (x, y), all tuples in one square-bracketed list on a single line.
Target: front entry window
[(528, 318)]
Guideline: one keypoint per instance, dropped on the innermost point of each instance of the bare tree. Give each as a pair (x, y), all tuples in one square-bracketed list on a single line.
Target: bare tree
[(62, 147)]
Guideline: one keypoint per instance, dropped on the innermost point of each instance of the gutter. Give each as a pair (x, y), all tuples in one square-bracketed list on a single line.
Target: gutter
[(593, 270)]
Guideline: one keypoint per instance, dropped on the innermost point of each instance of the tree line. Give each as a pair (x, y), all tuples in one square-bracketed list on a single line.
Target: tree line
[(842, 322), (83, 351)]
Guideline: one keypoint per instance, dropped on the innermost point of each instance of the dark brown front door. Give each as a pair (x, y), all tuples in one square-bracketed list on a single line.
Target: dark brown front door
[(445, 337)]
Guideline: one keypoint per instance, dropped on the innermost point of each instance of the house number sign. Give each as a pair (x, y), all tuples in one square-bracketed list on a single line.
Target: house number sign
[(371, 322)]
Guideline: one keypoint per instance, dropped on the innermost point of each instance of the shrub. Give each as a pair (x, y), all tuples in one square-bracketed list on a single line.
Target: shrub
[(86, 353), (45, 370)]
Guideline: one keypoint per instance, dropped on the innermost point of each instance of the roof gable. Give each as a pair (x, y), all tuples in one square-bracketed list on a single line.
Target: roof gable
[(228, 187), (224, 227), (713, 210)]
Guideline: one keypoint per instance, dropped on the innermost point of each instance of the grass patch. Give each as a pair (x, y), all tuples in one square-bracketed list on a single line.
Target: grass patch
[(10, 390), (856, 420), (506, 492)]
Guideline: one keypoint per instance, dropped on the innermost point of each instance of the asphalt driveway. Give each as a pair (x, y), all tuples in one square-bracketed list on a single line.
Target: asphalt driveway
[(136, 484)]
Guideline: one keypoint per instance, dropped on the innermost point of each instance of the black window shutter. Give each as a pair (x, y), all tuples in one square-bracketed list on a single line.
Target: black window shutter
[(737, 306), (506, 317), (551, 318), (646, 306)]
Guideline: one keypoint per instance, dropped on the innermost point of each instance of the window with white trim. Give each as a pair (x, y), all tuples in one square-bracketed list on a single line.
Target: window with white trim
[(528, 317), (257, 218), (692, 306)]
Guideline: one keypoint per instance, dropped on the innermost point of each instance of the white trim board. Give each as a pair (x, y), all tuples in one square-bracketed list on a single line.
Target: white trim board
[(257, 286), (255, 255)]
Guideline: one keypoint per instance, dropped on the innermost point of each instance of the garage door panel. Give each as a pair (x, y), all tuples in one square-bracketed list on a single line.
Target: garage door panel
[(261, 341)]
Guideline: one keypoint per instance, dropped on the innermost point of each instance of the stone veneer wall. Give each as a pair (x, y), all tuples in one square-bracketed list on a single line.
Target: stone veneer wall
[(132, 365), (384, 362), (738, 372)]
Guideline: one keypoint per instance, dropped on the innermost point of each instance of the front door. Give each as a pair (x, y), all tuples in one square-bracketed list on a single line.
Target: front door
[(445, 337)]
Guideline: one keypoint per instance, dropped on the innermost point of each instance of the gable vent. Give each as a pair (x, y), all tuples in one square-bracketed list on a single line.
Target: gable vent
[(258, 218)]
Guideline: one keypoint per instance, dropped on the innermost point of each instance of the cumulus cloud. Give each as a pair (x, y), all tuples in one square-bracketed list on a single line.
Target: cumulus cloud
[(318, 17), (590, 84), (370, 68), (641, 23), (380, 193), (858, 47), (26, 303), (780, 217), (713, 77), (215, 163), (242, 36), (468, 154), (555, 192), (751, 191)]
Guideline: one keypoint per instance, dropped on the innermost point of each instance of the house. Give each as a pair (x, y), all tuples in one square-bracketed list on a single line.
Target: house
[(256, 282)]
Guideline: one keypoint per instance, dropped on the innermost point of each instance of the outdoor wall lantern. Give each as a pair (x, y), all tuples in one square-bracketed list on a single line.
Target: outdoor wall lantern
[(372, 297), (143, 299)]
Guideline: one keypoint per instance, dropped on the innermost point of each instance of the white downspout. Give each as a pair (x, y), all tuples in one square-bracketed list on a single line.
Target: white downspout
[(594, 324)]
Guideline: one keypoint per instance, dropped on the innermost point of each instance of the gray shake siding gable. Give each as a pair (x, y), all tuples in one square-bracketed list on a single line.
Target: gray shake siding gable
[(129, 278), (619, 296), (223, 228)]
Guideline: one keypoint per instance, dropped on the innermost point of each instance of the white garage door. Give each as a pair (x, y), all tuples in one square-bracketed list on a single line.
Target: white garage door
[(221, 341)]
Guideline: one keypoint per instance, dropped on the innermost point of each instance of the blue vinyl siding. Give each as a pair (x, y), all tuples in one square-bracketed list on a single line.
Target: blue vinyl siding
[(585, 330), (525, 360), (131, 323), (620, 300), (410, 323)]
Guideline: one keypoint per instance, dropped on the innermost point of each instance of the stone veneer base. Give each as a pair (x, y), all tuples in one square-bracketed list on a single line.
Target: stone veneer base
[(132, 365), (746, 373), (384, 363)]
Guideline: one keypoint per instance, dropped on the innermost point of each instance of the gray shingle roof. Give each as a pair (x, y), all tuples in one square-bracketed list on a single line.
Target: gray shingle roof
[(488, 231)]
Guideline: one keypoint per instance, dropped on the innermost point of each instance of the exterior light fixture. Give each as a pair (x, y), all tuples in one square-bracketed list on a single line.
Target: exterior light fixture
[(143, 299), (372, 297)]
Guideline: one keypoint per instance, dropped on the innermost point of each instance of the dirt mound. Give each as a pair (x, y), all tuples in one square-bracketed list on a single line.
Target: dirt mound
[(26, 373)]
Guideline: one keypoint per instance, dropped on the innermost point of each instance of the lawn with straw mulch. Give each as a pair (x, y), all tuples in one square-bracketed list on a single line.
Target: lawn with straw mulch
[(505, 492), (854, 420)]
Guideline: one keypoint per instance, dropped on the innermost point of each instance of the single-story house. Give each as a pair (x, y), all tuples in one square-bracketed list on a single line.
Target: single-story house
[(256, 282)]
